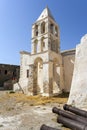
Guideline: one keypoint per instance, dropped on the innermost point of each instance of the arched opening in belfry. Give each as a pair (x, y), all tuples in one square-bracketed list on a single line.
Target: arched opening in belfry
[(42, 44), (54, 45), (36, 30), (38, 76), (56, 76), (35, 46), (56, 31), (51, 28), (43, 27)]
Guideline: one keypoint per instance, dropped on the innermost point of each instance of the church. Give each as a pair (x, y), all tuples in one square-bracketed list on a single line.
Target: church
[(46, 70)]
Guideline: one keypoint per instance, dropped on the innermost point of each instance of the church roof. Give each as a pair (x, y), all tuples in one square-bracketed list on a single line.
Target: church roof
[(45, 13)]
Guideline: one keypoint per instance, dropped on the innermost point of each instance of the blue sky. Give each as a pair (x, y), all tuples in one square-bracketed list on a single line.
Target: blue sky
[(17, 17)]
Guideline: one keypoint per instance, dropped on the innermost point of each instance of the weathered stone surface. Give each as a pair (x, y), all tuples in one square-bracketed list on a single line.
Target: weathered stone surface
[(78, 93), (68, 66), (9, 74)]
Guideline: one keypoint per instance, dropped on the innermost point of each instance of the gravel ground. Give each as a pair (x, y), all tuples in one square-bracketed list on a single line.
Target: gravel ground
[(23, 116)]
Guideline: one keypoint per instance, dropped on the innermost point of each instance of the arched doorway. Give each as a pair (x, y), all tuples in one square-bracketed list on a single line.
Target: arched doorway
[(38, 76)]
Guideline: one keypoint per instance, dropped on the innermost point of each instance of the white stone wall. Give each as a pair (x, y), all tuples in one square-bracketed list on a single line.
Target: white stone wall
[(68, 66), (78, 92), (25, 58), (23, 81)]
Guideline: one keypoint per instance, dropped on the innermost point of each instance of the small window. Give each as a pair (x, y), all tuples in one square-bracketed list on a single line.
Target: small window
[(14, 73), (5, 72), (27, 73)]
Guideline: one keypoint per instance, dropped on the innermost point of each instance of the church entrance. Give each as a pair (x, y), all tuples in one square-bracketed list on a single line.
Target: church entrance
[(38, 76)]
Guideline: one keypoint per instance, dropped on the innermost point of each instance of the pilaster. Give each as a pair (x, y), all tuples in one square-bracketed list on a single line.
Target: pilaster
[(47, 79), (31, 79)]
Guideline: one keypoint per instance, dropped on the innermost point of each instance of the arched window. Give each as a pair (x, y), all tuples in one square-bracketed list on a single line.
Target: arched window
[(35, 46), (42, 44), (36, 30), (43, 27)]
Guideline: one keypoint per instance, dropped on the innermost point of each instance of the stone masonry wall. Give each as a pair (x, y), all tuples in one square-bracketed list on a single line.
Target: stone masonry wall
[(8, 73)]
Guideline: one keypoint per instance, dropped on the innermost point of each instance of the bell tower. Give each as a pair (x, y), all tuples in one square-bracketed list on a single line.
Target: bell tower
[(41, 71), (45, 34), (45, 63)]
